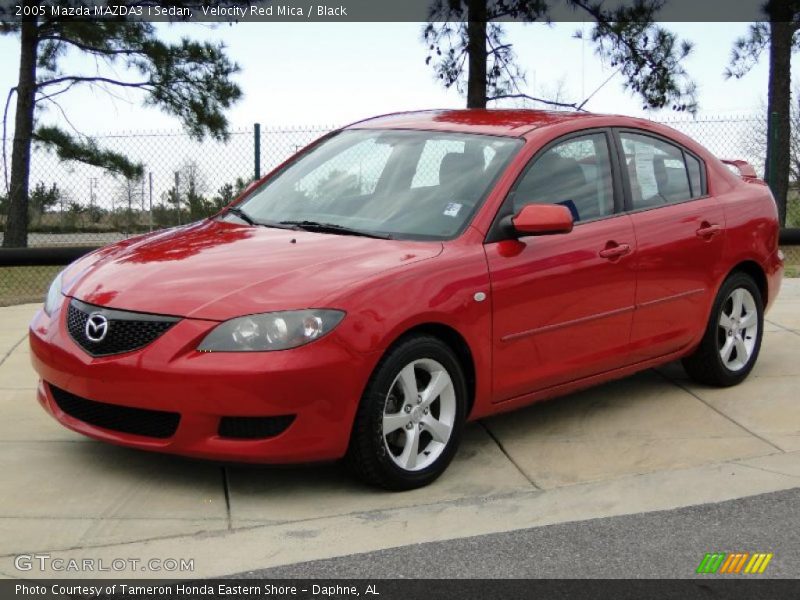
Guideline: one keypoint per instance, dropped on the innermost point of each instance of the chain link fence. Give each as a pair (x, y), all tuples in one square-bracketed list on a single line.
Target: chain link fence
[(745, 137), (73, 204), (185, 180)]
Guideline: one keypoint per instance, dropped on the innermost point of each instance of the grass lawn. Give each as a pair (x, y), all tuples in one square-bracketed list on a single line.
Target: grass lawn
[(793, 209), (25, 284)]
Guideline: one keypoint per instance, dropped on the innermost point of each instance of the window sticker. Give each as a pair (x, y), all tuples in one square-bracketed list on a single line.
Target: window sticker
[(452, 209), (645, 173)]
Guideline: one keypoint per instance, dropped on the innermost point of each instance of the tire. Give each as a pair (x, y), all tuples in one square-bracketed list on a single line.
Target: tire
[(390, 418), (728, 334)]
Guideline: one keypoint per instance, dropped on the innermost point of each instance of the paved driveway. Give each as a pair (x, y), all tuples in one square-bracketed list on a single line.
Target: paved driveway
[(650, 442)]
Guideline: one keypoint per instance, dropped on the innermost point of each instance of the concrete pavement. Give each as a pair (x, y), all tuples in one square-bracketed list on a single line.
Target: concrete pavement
[(655, 441)]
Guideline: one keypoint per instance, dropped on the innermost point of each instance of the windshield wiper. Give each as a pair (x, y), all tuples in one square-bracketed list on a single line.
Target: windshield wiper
[(334, 228), (243, 215), (251, 221)]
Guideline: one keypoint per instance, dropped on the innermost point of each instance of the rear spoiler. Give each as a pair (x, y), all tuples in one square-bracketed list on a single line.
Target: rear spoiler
[(746, 170)]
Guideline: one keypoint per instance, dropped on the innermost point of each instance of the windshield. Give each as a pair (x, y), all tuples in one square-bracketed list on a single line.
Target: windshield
[(398, 184)]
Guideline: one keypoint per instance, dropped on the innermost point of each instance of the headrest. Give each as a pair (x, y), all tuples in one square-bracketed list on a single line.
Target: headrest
[(457, 166), (660, 172), (554, 179)]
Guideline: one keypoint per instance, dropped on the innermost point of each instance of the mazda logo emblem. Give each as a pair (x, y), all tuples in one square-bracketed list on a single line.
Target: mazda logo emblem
[(96, 328)]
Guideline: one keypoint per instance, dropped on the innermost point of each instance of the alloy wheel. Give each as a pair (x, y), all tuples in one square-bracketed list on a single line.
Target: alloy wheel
[(737, 329), (419, 414)]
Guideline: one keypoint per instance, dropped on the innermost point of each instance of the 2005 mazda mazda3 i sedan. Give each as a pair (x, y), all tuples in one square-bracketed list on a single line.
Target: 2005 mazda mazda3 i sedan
[(406, 274)]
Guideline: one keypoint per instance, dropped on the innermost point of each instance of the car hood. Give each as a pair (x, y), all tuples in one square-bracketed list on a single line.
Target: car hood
[(216, 270)]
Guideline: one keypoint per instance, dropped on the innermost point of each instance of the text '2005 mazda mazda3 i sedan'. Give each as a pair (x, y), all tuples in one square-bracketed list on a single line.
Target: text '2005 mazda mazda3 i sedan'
[(409, 273)]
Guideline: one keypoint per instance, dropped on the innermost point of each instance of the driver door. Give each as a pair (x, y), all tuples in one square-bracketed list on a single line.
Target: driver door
[(563, 304)]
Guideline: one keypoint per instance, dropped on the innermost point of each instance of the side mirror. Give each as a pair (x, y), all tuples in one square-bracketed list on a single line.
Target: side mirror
[(542, 219)]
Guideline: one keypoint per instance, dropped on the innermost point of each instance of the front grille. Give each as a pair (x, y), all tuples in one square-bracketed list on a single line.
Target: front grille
[(124, 330), (125, 419), (252, 428)]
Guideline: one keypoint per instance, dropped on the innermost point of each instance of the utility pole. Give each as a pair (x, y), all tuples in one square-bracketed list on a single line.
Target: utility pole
[(130, 206), (178, 194), (92, 184)]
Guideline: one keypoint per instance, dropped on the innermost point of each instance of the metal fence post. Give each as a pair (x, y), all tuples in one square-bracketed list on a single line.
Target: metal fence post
[(773, 136), (150, 177), (257, 149)]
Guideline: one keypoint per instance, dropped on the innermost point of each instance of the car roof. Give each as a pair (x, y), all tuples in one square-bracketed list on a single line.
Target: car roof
[(510, 122)]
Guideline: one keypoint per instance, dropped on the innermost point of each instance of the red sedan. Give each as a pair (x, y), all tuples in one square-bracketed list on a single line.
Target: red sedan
[(408, 273)]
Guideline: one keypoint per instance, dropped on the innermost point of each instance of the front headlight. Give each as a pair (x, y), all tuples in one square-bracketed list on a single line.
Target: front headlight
[(271, 331), (53, 297)]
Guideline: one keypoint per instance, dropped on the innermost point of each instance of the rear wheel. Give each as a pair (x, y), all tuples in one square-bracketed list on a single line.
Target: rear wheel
[(409, 422), (732, 340)]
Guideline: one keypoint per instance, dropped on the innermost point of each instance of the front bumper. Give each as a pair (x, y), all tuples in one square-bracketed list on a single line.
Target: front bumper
[(320, 384)]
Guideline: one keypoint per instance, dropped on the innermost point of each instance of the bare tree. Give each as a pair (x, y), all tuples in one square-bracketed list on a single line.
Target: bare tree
[(128, 197)]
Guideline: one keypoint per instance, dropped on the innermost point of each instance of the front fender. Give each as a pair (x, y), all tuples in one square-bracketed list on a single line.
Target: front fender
[(437, 291)]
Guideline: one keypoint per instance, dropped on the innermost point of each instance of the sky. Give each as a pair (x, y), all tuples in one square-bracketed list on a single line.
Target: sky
[(301, 74), (311, 77)]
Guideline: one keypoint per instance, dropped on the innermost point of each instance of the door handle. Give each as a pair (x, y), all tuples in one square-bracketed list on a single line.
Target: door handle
[(616, 251), (707, 230)]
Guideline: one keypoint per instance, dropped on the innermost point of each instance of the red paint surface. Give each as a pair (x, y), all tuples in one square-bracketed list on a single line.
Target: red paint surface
[(563, 311)]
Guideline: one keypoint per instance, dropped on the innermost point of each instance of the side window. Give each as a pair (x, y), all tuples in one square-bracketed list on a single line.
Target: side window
[(695, 179), (656, 170), (575, 173)]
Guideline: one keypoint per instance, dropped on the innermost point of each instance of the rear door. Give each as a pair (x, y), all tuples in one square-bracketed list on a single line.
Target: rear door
[(562, 304), (679, 237)]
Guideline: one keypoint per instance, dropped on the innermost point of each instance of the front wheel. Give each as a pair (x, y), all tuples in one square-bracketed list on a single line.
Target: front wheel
[(409, 422), (732, 340)]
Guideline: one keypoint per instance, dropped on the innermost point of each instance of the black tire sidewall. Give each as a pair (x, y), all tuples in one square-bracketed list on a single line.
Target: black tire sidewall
[(405, 352)]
